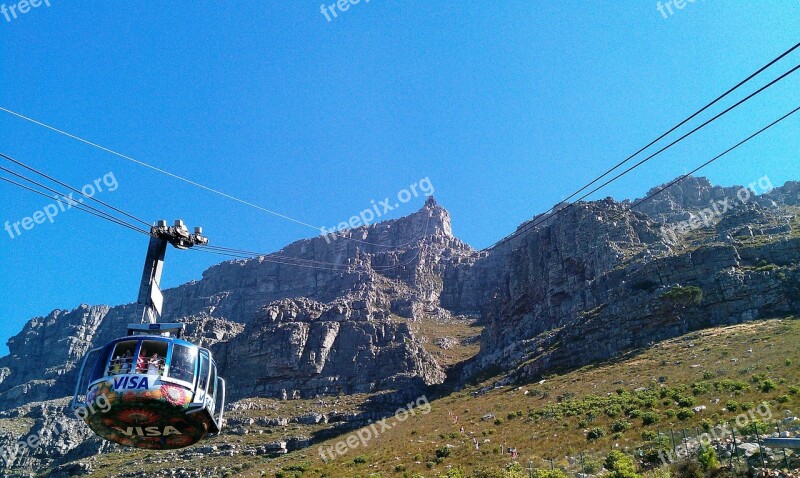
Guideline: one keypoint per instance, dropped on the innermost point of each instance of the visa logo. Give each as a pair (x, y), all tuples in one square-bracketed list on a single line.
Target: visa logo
[(131, 383), (149, 431)]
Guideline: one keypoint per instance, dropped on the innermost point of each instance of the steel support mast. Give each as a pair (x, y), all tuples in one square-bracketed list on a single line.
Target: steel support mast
[(151, 300)]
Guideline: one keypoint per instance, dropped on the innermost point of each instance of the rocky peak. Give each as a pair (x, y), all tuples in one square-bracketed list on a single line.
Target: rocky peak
[(695, 194), (337, 314), (431, 221)]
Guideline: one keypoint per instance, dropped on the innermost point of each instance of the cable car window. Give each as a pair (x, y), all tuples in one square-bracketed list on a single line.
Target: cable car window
[(89, 363), (99, 369), (181, 366), (213, 385), (202, 381), (122, 358), (152, 357)]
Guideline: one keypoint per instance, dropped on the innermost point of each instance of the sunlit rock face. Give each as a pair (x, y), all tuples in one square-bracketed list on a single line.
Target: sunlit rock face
[(332, 315)]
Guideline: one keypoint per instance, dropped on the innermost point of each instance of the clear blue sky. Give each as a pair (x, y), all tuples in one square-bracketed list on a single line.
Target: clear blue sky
[(506, 106)]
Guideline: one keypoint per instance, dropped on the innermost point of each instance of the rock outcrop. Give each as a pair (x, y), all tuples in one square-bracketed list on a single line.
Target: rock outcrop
[(335, 315), (364, 276), (306, 348), (599, 280)]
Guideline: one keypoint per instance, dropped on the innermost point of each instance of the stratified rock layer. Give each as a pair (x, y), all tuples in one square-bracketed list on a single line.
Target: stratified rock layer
[(585, 284)]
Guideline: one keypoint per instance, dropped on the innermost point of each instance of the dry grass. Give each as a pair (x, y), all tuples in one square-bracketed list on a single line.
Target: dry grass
[(768, 348), (429, 330)]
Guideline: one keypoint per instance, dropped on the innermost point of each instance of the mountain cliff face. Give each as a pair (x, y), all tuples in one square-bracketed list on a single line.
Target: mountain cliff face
[(306, 348), (334, 316), (598, 280), (337, 315)]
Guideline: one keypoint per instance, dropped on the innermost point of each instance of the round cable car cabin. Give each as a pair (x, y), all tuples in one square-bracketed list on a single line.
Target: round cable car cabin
[(150, 391)]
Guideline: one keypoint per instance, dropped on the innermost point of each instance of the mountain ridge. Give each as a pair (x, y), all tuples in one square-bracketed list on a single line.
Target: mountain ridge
[(584, 285)]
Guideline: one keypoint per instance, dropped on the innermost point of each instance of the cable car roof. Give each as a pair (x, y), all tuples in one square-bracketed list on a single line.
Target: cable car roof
[(160, 338)]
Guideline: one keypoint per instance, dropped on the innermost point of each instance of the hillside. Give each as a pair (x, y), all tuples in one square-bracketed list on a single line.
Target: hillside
[(716, 369), (410, 310)]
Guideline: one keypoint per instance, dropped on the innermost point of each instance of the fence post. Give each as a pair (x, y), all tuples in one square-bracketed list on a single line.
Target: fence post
[(760, 448), (785, 458), (672, 437), (735, 448), (730, 455), (686, 443)]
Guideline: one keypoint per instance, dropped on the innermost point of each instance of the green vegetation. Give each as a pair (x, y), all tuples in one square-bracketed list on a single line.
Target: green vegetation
[(622, 404), (620, 465), (708, 458), (595, 433), (683, 296)]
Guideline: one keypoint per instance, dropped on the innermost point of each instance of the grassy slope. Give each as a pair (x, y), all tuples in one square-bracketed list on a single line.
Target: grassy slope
[(706, 356), (542, 427)]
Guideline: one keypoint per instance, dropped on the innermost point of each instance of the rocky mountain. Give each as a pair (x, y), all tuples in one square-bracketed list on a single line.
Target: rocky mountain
[(346, 295), (343, 314), (597, 279)]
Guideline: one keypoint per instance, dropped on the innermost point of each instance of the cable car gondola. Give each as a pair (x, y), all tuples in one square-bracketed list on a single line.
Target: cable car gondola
[(152, 389)]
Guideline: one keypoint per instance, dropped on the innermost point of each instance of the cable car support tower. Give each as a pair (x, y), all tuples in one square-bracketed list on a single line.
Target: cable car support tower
[(150, 302)]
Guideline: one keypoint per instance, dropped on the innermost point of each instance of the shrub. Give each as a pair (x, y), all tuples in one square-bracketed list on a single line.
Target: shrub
[(756, 426), (288, 474), (661, 472), (782, 398), (732, 405), (650, 418), (620, 465), (652, 453), (360, 459), (295, 470), (620, 426), (768, 386), (596, 433), (648, 435), (591, 467), (708, 458), (685, 413), (687, 401), (540, 474), (794, 390), (730, 385), (452, 473), (700, 388), (683, 296), (302, 466), (443, 452), (687, 469)]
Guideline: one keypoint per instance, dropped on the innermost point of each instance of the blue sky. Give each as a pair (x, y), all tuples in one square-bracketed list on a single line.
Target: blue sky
[(507, 107)]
